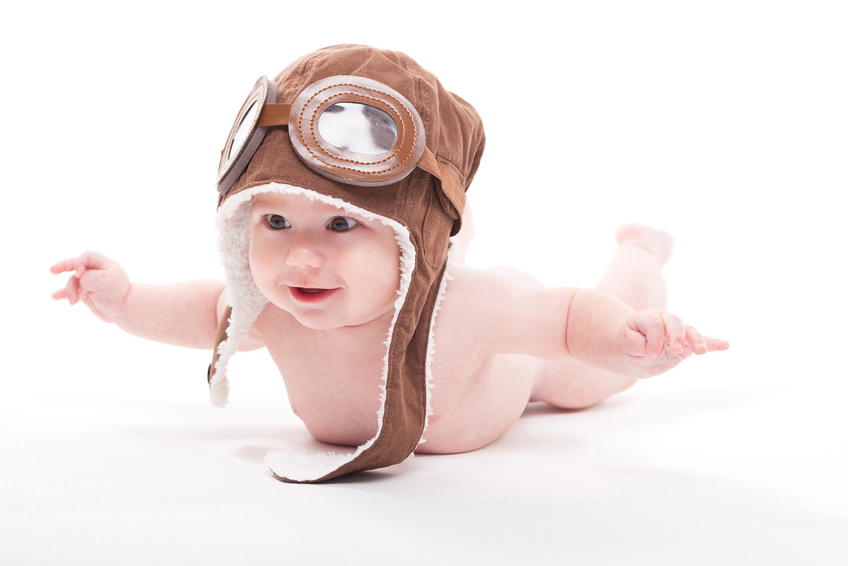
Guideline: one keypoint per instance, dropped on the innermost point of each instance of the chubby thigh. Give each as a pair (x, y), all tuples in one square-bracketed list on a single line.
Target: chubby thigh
[(475, 405)]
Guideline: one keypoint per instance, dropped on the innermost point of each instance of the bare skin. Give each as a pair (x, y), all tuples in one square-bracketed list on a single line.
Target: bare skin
[(501, 340)]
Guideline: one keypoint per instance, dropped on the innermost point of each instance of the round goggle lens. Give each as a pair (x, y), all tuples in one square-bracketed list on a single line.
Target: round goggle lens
[(359, 128)]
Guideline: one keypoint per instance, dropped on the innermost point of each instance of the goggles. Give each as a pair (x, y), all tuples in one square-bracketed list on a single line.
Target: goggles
[(349, 129)]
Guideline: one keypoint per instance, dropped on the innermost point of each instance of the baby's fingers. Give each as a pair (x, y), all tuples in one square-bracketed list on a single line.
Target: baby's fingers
[(716, 344), (72, 289), (675, 332), (695, 340), (704, 344), (661, 328), (651, 327), (87, 261), (74, 264), (70, 292)]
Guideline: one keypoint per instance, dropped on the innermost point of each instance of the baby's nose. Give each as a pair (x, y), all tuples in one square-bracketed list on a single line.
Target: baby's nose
[(305, 253)]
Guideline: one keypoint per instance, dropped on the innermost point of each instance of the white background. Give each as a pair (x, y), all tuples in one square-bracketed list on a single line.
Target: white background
[(722, 122)]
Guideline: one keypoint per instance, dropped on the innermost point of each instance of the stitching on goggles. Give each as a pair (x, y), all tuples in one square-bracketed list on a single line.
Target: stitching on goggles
[(340, 153)]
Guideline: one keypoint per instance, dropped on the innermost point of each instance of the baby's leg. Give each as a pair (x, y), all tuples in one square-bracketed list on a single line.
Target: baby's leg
[(635, 273), (634, 276)]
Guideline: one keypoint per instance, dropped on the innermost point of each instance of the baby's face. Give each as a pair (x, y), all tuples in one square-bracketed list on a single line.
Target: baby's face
[(327, 268)]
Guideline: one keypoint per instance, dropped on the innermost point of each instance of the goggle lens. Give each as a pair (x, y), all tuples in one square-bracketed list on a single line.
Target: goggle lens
[(359, 128)]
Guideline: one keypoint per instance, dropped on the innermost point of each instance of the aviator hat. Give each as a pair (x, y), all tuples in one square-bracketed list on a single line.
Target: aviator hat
[(414, 179)]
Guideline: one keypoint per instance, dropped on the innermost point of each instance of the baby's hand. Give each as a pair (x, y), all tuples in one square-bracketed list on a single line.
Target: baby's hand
[(652, 342), (97, 281)]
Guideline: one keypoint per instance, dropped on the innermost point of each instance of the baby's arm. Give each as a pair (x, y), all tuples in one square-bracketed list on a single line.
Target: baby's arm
[(507, 316), (183, 314)]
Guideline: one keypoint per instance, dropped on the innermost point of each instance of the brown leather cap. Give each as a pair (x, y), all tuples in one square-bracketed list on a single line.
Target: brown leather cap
[(426, 216)]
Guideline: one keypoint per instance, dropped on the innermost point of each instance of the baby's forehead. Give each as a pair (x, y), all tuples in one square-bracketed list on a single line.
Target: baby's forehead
[(288, 201)]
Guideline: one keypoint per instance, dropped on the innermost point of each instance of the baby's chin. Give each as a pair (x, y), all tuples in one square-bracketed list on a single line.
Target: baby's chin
[(334, 319)]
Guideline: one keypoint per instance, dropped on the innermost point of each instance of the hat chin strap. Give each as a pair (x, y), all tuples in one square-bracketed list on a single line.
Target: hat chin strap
[(405, 384)]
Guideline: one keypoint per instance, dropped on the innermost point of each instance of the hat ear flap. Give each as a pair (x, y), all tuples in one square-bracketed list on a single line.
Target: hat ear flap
[(216, 376)]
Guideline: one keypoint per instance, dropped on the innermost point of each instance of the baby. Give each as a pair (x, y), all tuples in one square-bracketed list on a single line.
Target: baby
[(337, 264)]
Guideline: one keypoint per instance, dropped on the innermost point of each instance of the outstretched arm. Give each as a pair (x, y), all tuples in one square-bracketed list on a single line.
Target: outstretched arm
[(183, 314), (504, 315)]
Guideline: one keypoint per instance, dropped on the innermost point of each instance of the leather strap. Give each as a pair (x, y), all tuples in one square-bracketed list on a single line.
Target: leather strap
[(274, 115)]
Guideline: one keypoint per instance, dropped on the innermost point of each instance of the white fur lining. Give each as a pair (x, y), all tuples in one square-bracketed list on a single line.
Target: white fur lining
[(431, 347), (247, 303)]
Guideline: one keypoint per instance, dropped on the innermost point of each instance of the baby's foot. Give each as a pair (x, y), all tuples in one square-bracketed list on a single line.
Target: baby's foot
[(656, 242)]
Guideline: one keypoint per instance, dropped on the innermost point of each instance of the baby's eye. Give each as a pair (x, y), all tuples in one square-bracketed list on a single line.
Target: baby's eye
[(277, 222), (342, 224)]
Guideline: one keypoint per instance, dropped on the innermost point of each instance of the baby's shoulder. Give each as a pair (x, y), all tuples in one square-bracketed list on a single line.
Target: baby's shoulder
[(474, 303), (276, 326), (478, 287), (468, 287), (503, 311)]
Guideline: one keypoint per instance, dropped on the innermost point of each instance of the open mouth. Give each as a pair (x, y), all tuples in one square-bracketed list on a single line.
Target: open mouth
[(309, 295)]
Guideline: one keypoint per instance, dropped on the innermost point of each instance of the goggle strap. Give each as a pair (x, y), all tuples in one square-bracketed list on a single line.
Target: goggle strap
[(451, 186), (274, 115)]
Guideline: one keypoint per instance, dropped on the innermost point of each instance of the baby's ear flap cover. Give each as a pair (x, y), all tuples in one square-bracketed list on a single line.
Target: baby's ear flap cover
[(218, 384)]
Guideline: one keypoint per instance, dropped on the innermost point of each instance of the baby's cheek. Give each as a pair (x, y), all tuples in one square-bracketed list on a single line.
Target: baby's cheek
[(381, 272), (260, 274)]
